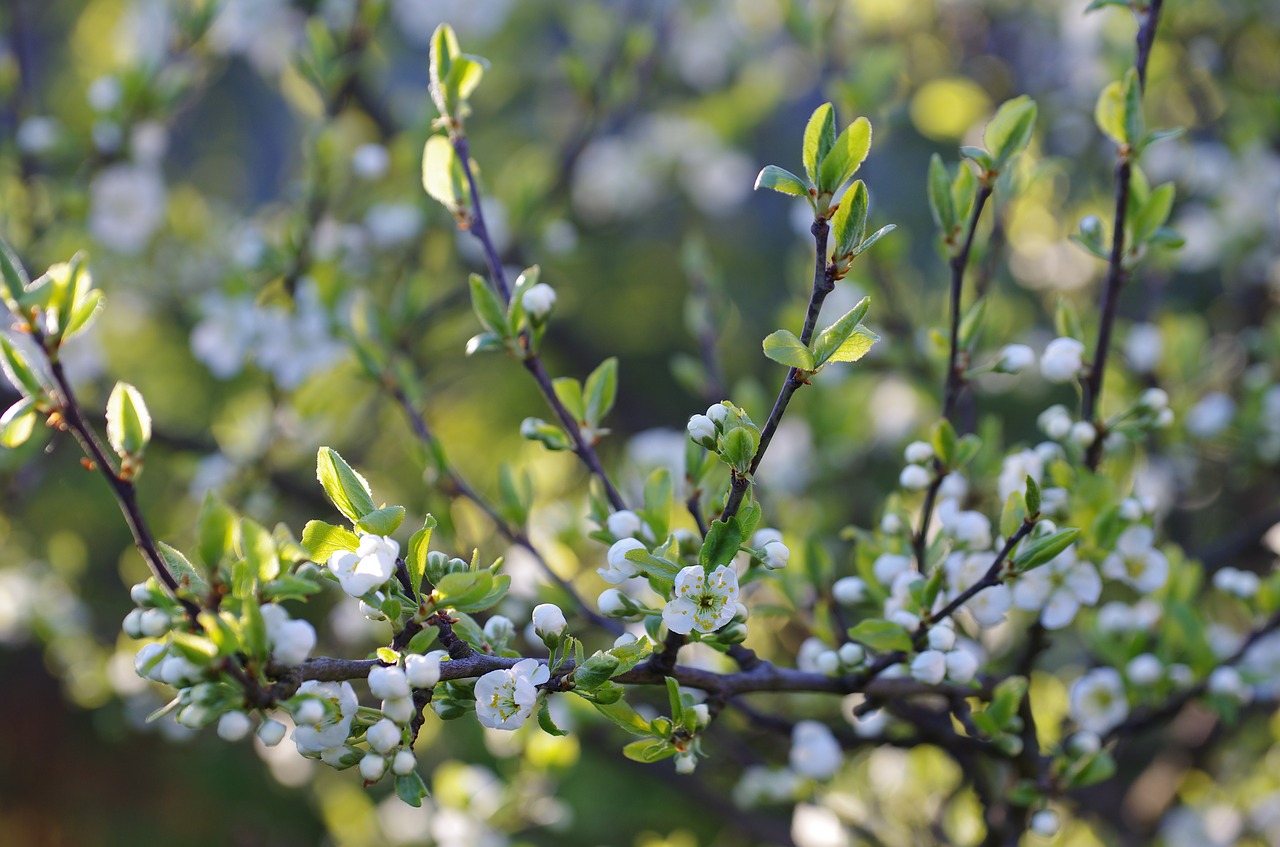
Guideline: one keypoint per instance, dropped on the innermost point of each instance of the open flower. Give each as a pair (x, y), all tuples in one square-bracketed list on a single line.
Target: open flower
[(1058, 589), (370, 566), (815, 752), (505, 697), (1136, 561), (1098, 701), (701, 601)]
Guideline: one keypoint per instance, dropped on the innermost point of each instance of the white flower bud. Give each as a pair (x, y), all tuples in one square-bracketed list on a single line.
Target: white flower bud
[(890, 524), (1131, 510), (1164, 420), (400, 709), (889, 566), (384, 736), (388, 683), (612, 602), (132, 623), (370, 161), (404, 763), (1144, 347), (929, 667), (942, 638), (962, 666), (372, 767), (309, 712), (1225, 681), (1055, 421), (1085, 743), (719, 413), (1144, 669), (906, 620), (140, 594), (271, 732), (149, 661), (499, 629), (233, 726), (423, 671), (178, 672), (626, 637), (849, 590), (914, 478), (1181, 675), (1154, 400), (620, 568), (701, 715), (155, 623), (774, 555), (828, 663), (623, 524), (1015, 358), (1083, 433), (194, 717), (686, 762), (1062, 361), (851, 655), (1045, 823), (702, 430), (917, 452), (538, 301), (549, 623)]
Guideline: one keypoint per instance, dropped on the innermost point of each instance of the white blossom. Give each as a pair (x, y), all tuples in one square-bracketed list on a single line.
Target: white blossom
[(1225, 681), (929, 667), (620, 568), (701, 601), (1144, 669), (104, 93), (1211, 415), (234, 725), (967, 528), (914, 478), (849, 590), (851, 655), (1014, 472), (774, 555), (391, 224), (623, 523), (1097, 700), (918, 452), (701, 429), (1058, 589), (828, 663), (1083, 433), (1062, 360), (423, 671), (399, 709), (291, 641), (369, 567), (404, 763), (815, 752), (612, 602), (1154, 400), (372, 767), (309, 712), (538, 301), (334, 729), (1055, 421), (965, 570), (1143, 347), (370, 161), (962, 666), (271, 732), (718, 413), (889, 566), (387, 683), (499, 630), (1045, 823), (548, 621), (126, 207), (384, 736), (942, 637), (505, 698), (37, 134), (1136, 562), (1242, 584), (1015, 358)]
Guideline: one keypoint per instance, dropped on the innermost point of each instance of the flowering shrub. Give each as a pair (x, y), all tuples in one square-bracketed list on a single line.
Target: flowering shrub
[(1007, 596)]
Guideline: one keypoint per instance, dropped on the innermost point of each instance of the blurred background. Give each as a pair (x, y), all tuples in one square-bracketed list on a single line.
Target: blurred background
[(245, 177)]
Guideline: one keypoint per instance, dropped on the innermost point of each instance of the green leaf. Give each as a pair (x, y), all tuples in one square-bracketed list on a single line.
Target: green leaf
[(600, 391), (1033, 496), (658, 497), (649, 751), (1044, 549), (833, 337), (738, 448), (13, 276), (322, 540), (1153, 214), (569, 393), (782, 181), (183, 571), (941, 205), (944, 442), (1135, 125), (491, 311), (873, 238), (544, 721), (443, 177), (1066, 321), (881, 635), (1014, 513), (784, 348), (653, 566), (819, 138), (444, 47), (1009, 131), (625, 717), (128, 421), (549, 435), (17, 423), (849, 223), (721, 544), (411, 789), (215, 531), (971, 323), (259, 550), (18, 371), (1109, 112), (855, 346), (1097, 768), (347, 490), (382, 521), (1005, 700), (416, 558), (845, 156), (83, 312), (964, 190), (980, 156)]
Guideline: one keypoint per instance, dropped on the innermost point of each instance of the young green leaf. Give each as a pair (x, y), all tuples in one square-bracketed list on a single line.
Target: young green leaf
[(1109, 113), (1043, 550), (857, 345), (781, 180), (491, 311), (322, 540), (830, 339), (20, 374), (13, 276), (128, 421), (846, 155), (347, 490), (784, 348), (600, 390), (1009, 131), (882, 635), (1135, 125), (382, 521), (416, 558), (259, 550), (443, 177), (941, 205), (1153, 214), (17, 423), (849, 223), (721, 544), (819, 138), (216, 529)]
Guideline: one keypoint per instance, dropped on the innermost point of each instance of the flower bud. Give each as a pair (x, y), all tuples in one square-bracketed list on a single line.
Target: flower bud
[(942, 638), (623, 523), (1045, 823), (1154, 400), (149, 660), (233, 726), (1062, 361), (140, 594), (914, 478), (702, 430), (918, 452), (719, 413), (372, 767), (271, 732), (195, 717), (1015, 358), (613, 603), (686, 762), (1083, 433), (890, 524), (132, 623), (399, 710), (388, 683), (384, 736), (155, 623), (499, 630), (620, 568), (423, 671), (962, 666), (851, 655), (538, 301), (404, 763), (828, 663), (549, 623), (774, 555), (849, 590), (1145, 669), (929, 667)]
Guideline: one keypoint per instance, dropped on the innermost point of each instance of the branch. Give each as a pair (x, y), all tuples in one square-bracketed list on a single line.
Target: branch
[(1117, 274)]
